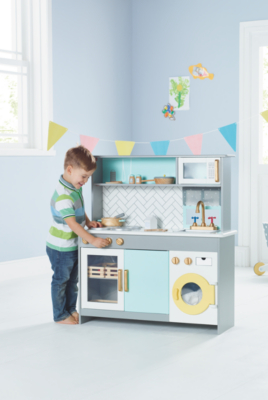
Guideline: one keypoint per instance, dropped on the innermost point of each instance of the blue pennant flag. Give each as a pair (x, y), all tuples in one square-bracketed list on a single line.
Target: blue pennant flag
[(229, 134), (160, 148)]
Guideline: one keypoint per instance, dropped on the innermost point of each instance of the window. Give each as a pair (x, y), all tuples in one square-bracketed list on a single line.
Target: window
[(263, 153), (13, 77), (25, 76)]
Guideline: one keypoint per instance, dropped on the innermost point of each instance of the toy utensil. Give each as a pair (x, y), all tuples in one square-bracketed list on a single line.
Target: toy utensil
[(119, 215)]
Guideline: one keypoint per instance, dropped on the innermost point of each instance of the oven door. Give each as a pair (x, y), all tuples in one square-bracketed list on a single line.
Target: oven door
[(101, 279), (199, 170)]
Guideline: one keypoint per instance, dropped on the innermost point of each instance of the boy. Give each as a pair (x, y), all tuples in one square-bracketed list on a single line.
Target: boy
[(69, 220)]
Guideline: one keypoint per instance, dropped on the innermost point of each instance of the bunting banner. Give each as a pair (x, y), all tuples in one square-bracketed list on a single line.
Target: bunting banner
[(229, 134), (195, 143), (124, 148), (55, 132), (264, 114), (160, 148), (89, 142)]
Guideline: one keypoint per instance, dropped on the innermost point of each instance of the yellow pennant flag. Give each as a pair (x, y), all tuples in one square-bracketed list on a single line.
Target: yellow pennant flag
[(124, 148), (264, 114), (55, 132)]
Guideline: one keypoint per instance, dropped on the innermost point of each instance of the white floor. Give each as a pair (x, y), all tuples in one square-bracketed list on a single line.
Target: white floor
[(108, 359)]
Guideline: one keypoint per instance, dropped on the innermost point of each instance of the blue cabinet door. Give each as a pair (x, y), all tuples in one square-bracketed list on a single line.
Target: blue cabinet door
[(148, 281)]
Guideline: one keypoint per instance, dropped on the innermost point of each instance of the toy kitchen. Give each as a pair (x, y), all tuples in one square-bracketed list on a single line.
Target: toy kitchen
[(171, 248)]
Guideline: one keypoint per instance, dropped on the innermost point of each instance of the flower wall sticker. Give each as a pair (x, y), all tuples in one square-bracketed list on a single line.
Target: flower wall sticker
[(199, 72), (169, 112), (179, 92)]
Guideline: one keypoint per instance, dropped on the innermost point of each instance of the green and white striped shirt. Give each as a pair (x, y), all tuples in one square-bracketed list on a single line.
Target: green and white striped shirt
[(66, 202)]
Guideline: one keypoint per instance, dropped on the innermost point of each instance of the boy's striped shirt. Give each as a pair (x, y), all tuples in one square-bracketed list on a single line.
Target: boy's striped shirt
[(66, 202)]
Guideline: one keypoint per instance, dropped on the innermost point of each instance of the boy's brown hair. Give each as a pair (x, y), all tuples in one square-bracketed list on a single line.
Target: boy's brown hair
[(80, 157)]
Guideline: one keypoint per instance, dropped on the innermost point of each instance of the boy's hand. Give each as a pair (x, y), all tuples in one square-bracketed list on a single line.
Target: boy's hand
[(94, 224), (99, 242)]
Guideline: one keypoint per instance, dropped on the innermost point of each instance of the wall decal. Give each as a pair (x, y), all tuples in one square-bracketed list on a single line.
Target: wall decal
[(169, 112), (199, 72), (179, 92)]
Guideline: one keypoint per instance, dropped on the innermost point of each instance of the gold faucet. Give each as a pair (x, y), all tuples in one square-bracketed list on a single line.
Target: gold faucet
[(203, 225), (203, 212)]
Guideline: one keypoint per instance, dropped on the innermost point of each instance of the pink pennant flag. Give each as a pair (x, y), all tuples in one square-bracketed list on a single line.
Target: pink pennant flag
[(195, 143), (89, 142)]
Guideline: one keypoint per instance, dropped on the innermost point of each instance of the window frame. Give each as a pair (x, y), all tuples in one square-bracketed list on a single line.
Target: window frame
[(248, 202), (36, 48)]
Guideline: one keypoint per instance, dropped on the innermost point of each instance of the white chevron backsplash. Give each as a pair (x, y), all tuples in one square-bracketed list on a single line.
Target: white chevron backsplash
[(139, 202)]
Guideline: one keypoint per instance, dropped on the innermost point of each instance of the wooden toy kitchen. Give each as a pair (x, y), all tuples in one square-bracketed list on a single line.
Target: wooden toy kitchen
[(171, 257)]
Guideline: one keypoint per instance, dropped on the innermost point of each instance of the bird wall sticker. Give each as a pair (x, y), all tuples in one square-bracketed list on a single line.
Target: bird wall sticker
[(199, 72)]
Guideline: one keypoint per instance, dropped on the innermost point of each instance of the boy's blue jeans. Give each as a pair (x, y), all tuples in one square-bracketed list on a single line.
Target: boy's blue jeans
[(64, 289)]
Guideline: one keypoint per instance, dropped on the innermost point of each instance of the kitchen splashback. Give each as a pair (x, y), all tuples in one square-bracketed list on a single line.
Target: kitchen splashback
[(139, 202)]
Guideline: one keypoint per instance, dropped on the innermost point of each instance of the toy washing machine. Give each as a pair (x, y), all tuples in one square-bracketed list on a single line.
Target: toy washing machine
[(193, 287)]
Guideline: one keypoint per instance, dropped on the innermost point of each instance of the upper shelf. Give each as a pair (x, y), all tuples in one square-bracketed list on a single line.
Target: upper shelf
[(197, 174), (157, 185)]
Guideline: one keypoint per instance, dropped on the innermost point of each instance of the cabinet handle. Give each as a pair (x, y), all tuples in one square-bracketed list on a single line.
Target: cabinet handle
[(126, 280), (217, 171), (120, 288)]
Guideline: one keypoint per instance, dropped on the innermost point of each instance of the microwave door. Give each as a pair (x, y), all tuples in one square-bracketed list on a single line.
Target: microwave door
[(195, 171), (199, 171)]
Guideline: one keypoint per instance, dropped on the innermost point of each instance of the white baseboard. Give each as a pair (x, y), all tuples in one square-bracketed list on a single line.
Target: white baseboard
[(24, 267), (242, 256)]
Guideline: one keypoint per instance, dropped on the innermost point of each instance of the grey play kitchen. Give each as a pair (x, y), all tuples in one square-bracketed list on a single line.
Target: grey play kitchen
[(183, 271)]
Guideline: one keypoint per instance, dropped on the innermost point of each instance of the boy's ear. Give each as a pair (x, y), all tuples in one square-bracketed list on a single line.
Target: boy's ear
[(69, 169)]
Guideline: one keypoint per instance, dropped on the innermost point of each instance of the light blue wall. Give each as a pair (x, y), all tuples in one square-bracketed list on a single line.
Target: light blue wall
[(91, 76)]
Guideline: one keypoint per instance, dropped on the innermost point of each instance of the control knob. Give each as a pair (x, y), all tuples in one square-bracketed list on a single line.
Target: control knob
[(188, 261)]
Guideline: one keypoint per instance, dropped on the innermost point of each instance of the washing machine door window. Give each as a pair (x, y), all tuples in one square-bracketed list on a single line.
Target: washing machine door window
[(192, 294)]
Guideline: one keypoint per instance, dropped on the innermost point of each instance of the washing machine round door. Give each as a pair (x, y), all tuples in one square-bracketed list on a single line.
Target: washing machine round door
[(192, 294)]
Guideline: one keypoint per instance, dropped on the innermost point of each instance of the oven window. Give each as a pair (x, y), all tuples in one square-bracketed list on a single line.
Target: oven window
[(195, 170), (102, 279)]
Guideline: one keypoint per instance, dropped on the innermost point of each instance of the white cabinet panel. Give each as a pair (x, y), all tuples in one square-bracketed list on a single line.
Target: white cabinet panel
[(193, 287)]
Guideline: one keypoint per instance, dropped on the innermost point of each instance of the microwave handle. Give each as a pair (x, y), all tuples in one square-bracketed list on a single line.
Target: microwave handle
[(217, 178)]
